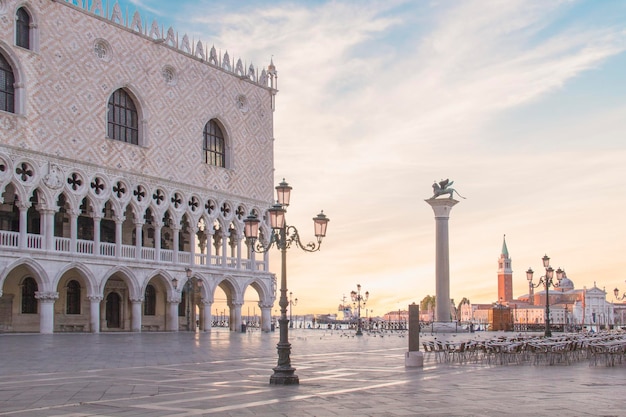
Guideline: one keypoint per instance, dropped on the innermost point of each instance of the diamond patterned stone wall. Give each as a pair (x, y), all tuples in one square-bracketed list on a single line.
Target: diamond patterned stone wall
[(67, 85)]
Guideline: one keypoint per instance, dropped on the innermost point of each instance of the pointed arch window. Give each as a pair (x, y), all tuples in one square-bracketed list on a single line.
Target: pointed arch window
[(122, 119), (22, 28), (213, 145), (149, 303), (29, 302), (73, 297), (7, 89)]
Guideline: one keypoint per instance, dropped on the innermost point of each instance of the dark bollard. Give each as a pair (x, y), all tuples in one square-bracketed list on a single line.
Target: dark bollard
[(414, 357)]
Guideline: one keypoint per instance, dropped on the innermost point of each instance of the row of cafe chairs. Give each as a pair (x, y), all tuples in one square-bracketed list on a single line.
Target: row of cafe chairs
[(607, 348)]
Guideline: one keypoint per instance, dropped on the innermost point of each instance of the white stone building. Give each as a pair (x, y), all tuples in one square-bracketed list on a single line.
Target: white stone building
[(128, 155)]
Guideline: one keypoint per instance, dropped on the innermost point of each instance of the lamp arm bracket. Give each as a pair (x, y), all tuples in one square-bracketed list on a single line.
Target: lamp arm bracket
[(292, 236)]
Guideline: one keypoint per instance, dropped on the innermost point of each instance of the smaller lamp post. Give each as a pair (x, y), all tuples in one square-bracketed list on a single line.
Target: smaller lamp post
[(547, 282), (292, 304), (190, 286), (357, 297)]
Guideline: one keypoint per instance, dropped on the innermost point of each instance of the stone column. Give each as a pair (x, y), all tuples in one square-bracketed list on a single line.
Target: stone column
[(171, 322), (73, 229), (157, 240), (266, 317), (238, 243), (94, 316), (225, 236), (206, 315), (192, 245), (46, 311), (442, 208), (138, 239), (135, 318), (251, 255), (23, 207), (235, 316), (119, 222), (175, 242), (96, 235), (47, 217)]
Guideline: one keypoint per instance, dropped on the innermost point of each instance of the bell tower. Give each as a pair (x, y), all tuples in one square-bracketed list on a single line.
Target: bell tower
[(505, 275)]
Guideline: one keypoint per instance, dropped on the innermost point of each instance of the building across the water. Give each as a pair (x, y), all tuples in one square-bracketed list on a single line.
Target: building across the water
[(570, 308), (129, 157)]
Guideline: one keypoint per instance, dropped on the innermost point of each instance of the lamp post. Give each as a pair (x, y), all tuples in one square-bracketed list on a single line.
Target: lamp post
[(190, 286), (357, 298), (292, 304), (283, 236), (546, 281)]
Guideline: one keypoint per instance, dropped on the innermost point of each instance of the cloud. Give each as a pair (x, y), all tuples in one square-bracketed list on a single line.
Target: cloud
[(378, 100)]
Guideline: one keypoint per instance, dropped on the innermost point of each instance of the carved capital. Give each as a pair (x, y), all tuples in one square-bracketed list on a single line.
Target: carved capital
[(206, 302), (46, 296), (136, 300), (95, 298), (265, 305), (174, 299)]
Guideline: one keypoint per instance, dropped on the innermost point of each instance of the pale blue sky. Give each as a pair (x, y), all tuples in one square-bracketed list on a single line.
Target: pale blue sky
[(521, 103)]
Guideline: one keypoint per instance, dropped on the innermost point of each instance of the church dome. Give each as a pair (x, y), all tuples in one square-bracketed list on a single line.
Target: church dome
[(566, 284)]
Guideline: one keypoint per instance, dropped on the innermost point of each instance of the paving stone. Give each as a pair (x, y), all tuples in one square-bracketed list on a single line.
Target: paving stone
[(224, 373)]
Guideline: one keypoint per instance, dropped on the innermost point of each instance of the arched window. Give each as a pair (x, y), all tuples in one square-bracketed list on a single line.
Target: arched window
[(149, 303), (29, 302), (213, 146), (7, 89), (22, 28), (123, 120), (73, 297)]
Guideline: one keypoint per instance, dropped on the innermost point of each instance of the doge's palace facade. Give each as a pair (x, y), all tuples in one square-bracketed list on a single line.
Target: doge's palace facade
[(129, 157)]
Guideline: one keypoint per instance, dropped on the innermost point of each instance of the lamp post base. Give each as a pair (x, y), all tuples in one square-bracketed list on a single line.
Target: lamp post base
[(284, 376)]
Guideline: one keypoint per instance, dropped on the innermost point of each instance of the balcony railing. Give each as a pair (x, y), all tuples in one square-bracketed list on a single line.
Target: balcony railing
[(10, 239)]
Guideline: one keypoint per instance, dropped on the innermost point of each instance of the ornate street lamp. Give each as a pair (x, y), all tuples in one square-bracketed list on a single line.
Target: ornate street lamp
[(357, 298), (190, 286), (283, 236), (547, 282), (292, 304)]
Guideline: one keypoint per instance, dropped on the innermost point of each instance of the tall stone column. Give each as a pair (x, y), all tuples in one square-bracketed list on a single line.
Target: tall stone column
[(135, 317), (94, 318), (171, 323), (206, 315), (46, 311), (235, 316), (442, 208), (266, 317)]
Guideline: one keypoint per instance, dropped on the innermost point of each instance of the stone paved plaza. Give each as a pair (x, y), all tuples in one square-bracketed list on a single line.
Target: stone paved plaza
[(227, 374)]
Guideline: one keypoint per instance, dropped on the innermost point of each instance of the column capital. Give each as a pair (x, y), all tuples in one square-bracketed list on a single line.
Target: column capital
[(95, 298), (206, 302), (442, 206), (46, 296), (265, 305), (174, 299), (135, 300)]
